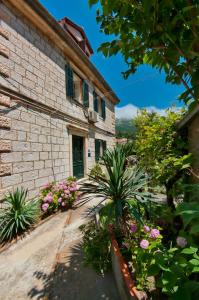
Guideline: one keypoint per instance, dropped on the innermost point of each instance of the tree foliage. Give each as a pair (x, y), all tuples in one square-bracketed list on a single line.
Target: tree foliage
[(160, 150), (161, 33)]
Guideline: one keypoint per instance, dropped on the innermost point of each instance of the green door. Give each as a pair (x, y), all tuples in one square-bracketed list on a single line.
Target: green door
[(78, 156)]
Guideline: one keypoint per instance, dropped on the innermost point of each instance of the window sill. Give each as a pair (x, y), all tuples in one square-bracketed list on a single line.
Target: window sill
[(78, 103)]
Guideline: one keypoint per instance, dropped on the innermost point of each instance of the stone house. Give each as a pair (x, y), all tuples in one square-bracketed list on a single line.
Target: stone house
[(189, 128), (57, 113)]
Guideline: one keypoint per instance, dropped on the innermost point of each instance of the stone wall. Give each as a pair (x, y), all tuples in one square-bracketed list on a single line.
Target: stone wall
[(36, 68), (35, 150), (34, 144), (193, 141)]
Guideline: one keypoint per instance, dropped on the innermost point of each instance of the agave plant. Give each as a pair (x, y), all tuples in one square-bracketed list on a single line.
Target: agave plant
[(120, 184), (18, 215)]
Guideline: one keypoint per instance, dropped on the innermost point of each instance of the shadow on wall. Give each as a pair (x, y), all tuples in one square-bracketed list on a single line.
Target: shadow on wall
[(72, 280)]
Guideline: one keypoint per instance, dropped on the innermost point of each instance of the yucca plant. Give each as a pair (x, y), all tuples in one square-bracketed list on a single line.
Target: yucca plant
[(120, 184), (18, 215)]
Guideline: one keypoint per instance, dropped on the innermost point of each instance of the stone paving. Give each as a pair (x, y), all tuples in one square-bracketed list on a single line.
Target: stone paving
[(48, 264)]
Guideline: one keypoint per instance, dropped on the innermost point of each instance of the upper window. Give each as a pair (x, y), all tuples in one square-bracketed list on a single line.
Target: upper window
[(78, 82), (76, 87), (99, 105)]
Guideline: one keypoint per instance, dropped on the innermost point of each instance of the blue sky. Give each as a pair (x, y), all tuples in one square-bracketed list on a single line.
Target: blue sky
[(145, 88)]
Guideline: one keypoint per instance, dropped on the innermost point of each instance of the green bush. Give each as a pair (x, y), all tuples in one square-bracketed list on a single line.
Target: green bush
[(18, 215), (96, 247), (96, 171)]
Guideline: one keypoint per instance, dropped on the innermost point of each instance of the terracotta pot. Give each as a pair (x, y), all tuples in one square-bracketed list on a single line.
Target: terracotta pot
[(124, 281)]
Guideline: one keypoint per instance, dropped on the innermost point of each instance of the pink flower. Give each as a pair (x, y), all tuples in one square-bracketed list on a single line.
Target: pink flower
[(133, 228), (154, 233), (146, 228), (48, 198), (63, 204), (60, 200), (181, 241), (45, 206), (46, 186), (144, 244), (67, 192)]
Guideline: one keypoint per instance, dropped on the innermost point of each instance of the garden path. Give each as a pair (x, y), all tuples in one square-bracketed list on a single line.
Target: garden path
[(48, 264)]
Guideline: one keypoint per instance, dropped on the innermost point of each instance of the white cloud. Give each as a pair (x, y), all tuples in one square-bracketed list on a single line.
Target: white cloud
[(129, 111)]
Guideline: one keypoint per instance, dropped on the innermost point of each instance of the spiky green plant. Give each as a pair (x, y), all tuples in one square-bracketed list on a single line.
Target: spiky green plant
[(120, 184), (18, 215)]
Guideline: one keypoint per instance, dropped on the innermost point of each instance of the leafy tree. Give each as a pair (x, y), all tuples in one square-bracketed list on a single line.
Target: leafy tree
[(160, 150), (161, 33)]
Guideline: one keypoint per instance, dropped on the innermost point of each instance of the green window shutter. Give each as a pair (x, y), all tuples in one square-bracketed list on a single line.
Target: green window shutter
[(69, 81), (104, 146), (85, 94), (97, 150), (95, 101), (103, 109)]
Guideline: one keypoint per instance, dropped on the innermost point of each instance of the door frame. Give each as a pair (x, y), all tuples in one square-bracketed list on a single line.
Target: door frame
[(72, 130)]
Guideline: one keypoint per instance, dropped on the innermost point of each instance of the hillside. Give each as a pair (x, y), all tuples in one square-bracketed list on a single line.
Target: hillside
[(125, 128)]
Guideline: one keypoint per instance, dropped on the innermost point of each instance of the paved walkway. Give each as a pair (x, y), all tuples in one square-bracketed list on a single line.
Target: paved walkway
[(48, 264)]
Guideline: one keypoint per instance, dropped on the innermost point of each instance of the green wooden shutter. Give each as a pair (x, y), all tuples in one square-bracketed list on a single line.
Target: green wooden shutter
[(104, 146), (97, 150), (103, 108), (95, 101), (85, 94), (69, 81)]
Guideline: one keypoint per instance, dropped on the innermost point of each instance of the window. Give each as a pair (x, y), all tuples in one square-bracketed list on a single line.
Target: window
[(77, 82), (99, 105), (100, 148), (69, 81), (85, 94), (76, 87), (95, 101)]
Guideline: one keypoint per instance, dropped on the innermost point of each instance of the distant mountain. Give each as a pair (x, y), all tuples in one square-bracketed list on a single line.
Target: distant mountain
[(125, 128)]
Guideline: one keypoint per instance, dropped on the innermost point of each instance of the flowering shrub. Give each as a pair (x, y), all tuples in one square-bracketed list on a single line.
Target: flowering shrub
[(140, 247), (174, 269), (59, 195)]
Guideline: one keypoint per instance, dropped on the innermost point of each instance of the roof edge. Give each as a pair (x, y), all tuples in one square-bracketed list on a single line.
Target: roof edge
[(187, 118)]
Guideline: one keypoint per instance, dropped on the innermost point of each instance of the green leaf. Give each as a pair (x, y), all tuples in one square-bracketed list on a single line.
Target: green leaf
[(195, 270), (190, 250), (194, 262)]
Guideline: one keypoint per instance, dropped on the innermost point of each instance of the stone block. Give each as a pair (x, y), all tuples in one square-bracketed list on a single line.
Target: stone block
[(38, 165), (4, 51), (11, 180), (30, 156), (30, 175), (4, 71), (11, 157), (43, 155), (5, 146), (5, 122), (5, 169), (20, 167), (45, 172), (4, 33), (21, 146), (5, 100)]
